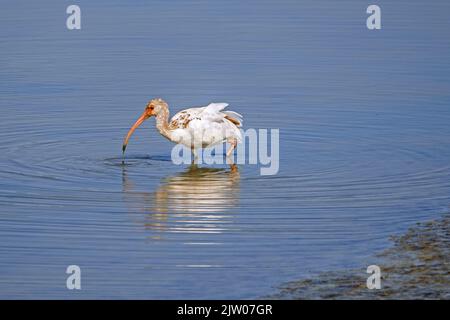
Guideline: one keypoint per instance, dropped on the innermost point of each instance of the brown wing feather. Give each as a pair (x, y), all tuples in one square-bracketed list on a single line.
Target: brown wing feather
[(180, 120), (233, 120)]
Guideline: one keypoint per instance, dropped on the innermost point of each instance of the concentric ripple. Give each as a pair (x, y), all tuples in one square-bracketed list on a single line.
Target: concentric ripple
[(340, 190)]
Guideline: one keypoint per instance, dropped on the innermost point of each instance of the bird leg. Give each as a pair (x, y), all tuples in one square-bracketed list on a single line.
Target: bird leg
[(195, 155), (233, 143), (233, 167)]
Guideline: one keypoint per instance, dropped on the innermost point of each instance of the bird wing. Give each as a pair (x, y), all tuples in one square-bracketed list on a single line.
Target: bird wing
[(210, 123), (211, 113), (217, 110), (182, 119), (215, 107)]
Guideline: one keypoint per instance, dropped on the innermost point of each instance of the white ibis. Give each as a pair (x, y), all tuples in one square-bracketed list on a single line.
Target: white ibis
[(194, 127)]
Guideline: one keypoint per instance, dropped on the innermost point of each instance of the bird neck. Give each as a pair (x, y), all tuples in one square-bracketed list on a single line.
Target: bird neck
[(162, 123)]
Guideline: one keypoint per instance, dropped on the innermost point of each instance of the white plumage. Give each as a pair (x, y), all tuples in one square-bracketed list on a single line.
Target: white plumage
[(194, 127), (206, 126)]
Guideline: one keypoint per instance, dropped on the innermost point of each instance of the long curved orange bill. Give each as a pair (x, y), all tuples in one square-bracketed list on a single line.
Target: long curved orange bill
[(138, 122)]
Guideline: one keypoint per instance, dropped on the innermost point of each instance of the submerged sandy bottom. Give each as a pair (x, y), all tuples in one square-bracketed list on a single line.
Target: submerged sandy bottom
[(415, 267)]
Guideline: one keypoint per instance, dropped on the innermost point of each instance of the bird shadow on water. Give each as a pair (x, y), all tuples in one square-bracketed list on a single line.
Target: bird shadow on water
[(195, 201)]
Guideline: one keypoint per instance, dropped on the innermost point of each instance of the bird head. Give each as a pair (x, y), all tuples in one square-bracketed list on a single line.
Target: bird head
[(153, 108)]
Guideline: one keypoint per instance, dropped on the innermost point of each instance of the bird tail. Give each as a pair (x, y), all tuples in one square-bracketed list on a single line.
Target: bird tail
[(234, 117)]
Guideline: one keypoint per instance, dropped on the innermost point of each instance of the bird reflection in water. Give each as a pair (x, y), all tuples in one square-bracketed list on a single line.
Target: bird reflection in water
[(197, 200)]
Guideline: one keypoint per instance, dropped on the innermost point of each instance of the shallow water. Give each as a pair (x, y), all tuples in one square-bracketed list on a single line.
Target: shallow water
[(415, 267), (364, 143)]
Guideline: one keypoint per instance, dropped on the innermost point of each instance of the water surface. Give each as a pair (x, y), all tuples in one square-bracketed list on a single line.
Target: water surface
[(364, 143)]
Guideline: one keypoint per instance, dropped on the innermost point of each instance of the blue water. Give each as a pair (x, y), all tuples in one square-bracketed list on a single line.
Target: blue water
[(364, 142)]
